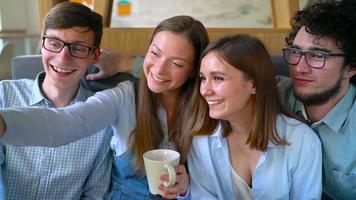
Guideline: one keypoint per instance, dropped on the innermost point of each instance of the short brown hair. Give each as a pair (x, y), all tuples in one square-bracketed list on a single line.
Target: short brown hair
[(69, 14)]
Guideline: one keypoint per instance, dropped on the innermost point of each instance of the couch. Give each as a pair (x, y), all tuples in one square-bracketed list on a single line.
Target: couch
[(29, 65)]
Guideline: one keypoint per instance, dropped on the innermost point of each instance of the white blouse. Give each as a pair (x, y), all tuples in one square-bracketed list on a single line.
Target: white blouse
[(240, 187)]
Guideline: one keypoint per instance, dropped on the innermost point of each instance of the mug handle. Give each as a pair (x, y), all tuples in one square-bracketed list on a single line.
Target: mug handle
[(171, 174)]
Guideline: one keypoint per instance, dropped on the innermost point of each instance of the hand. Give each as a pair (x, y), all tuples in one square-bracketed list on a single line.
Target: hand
[(181, 186), (111, 62)]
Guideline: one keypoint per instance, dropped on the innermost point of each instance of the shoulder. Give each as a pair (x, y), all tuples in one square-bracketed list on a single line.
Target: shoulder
[(125, 87), (123, 91), (199, 151), (204, 142), (285, 89), (199, 141), (8, 84), (283, 82), (296, 132), (16, 87)]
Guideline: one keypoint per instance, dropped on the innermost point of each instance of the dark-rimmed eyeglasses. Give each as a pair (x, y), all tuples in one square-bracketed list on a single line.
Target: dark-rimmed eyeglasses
[(56, 45), (314, 58)]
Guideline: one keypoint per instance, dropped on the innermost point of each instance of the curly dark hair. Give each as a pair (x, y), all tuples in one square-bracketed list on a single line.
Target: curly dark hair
[(335, 19)]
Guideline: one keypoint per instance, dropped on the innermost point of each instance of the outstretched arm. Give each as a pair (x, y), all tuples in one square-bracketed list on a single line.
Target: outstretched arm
[(55, 127)]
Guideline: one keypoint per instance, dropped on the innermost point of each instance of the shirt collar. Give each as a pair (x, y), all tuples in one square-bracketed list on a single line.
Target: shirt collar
[(217, 135), (37, 95), (336, 117), (218, 131)]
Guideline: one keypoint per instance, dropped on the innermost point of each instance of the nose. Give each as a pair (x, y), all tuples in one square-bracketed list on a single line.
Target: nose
[(160, 66), (302, 66), (205, 88), (64, 54)]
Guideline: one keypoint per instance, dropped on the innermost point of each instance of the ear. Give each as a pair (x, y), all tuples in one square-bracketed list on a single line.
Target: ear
[(252, 87), (95, 55), (351, 71)]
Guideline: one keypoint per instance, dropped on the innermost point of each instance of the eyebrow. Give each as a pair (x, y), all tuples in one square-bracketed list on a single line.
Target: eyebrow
[(156, 47), (84, 43), (313, 49), (180, 58), (215, 73)]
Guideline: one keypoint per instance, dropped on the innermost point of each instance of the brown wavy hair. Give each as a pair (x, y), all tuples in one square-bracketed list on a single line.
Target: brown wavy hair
[(148, 134)]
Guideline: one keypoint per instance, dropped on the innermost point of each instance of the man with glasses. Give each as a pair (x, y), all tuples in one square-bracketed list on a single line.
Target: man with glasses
[(322, 64), (80, 170)]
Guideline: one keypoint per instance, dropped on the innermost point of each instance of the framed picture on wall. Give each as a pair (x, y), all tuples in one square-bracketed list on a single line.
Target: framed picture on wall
[(212, 13)]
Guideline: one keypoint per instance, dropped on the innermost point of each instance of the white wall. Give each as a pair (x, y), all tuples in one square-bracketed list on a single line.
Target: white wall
[(20, 15), (33, 16)]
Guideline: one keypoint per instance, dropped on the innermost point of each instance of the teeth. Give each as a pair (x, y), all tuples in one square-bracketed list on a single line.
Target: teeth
[(214, 102), (57, 69), (157, 79)]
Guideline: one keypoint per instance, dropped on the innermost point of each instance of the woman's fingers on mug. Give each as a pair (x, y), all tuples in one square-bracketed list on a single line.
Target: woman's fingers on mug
[(165, 177), (181, 186), (183, 178), (170, 192)]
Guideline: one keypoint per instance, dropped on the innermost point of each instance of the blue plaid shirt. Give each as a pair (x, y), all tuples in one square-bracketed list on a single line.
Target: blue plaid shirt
[(80, 170)]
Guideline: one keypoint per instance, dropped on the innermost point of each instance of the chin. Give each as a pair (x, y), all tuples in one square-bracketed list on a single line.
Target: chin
[(215, 116), (155, 90)]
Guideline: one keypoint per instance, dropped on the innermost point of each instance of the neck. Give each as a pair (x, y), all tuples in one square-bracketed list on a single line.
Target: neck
[(169, 103), (59, 97), (242, 122), (241, 128), (317, 112)]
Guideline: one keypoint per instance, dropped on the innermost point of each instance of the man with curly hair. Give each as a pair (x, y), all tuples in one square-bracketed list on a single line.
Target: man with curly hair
[(321, 54)]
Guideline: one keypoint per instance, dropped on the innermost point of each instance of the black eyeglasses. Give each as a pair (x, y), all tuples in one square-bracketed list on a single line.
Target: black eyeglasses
[(314, 58), (56, 45)]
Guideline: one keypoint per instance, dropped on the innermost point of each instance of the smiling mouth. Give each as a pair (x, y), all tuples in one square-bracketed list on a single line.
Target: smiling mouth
[(61, 70), (158, 79), (214, 102)]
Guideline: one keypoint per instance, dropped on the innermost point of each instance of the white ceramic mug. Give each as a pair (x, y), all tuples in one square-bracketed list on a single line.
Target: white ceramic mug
[(158, 162)]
